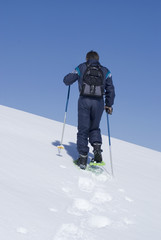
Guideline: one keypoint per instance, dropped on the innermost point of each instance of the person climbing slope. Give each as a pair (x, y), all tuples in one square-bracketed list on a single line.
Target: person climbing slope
[(97, 93)]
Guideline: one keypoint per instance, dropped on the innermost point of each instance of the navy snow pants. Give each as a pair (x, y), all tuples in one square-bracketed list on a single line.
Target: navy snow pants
[(89, 116)]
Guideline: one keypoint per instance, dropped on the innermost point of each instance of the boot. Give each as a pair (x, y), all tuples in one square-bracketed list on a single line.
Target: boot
[(97, 152), (82, 161)]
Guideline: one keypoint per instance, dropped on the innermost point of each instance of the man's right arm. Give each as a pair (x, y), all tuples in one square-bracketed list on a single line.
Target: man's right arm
[(71, 77)]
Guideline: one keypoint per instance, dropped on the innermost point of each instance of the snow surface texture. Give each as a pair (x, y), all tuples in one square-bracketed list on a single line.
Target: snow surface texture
[(44, 196)]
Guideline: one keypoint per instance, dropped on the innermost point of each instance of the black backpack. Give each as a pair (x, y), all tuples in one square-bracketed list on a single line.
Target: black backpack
[(92, 85)]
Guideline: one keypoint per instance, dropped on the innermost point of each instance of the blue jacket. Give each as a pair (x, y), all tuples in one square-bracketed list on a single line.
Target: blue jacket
[(108, 84)]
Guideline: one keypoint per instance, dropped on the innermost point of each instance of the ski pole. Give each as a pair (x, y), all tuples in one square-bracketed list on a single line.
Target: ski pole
[(109, 138), (61, 142)]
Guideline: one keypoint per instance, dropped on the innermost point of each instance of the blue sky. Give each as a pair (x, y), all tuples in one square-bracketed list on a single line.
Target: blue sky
[(41, 41)]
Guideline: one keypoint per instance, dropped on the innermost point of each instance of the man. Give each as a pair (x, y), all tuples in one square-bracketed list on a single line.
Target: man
[(95, 81)]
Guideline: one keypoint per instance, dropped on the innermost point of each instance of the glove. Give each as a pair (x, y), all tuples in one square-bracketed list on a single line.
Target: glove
[(109, 110)]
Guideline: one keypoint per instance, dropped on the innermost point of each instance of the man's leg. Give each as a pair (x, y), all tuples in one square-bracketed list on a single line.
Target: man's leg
[(83, 131), (83, 126), (96, 114), (95, 133)]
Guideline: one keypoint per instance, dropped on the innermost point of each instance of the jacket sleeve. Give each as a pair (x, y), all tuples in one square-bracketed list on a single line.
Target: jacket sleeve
[(109, 90), (71, 77)]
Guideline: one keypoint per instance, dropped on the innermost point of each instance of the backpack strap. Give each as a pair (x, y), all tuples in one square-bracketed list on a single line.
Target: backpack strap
[(108, 75), (78, 71)]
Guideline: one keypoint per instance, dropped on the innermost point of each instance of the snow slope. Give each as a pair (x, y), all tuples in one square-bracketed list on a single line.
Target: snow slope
[(44, 196)]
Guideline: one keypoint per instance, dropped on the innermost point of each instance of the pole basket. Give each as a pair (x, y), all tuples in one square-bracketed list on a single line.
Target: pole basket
[(60, 147)]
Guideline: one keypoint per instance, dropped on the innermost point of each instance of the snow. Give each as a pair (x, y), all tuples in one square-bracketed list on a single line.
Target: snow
[(44, 196)]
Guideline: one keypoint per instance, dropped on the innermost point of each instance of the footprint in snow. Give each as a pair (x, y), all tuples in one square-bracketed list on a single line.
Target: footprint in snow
[(101, 178), (66, 189), (79, 207), (98, 221), (54, 210), (101, 197), (22, 230), (86, 184), (128, 199), (71, 232), (62, 166), (128, 221), (122, 223), (68, 231), (121, 190)]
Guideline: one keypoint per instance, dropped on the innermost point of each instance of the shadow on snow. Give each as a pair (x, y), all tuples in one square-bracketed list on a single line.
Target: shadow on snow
[(71, 150)]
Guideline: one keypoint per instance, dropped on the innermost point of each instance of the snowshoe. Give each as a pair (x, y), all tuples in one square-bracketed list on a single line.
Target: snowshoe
[(94, 163), (82, 161)]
